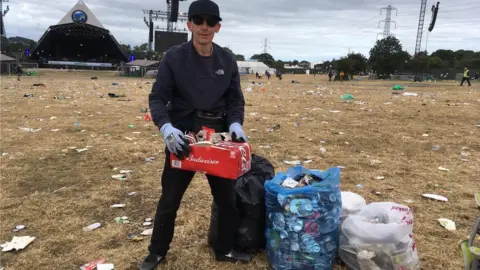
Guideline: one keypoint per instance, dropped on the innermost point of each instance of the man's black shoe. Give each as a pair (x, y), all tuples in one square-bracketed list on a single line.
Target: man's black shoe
[(151, 262), (233, 256)]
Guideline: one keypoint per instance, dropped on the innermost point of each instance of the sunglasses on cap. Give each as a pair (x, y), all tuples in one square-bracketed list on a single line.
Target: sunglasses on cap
[(211, 20)]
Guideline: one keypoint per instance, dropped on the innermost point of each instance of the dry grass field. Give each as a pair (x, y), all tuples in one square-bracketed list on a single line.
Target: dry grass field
[(55, 190)]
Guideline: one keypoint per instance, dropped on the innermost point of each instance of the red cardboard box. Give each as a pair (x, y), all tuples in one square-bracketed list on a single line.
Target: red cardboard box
[(225, 159)]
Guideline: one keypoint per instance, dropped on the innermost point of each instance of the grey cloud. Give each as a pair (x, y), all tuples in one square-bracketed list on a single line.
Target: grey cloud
[(307, 29)]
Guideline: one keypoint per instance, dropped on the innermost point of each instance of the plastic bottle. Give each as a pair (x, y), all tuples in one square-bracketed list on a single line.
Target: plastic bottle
[(323, 199), (283, 261), (282, 199), (284, 246), (328, 244), (328, 199), (323, 262), (293, 236), (283, 234), (309, 244), (332, 197), (92, 227), (314, 201), (278, 221), (273, 239), (294, 246), (329, 221), (294, 224), (301, 207)]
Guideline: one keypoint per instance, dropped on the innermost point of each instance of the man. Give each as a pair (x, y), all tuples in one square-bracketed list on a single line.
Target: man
[(197, 85), (341, 76), (19, 71), (330, 74), (466, 74)]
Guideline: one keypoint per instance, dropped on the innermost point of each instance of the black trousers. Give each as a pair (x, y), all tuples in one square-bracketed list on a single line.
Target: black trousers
[(174, 185), (465, 79)]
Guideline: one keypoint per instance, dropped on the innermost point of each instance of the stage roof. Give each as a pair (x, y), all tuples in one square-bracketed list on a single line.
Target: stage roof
[(78, 34), (90, 17), (6, 58)]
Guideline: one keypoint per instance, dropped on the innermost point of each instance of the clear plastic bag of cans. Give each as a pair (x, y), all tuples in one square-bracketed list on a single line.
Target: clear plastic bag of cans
[(302, 222)]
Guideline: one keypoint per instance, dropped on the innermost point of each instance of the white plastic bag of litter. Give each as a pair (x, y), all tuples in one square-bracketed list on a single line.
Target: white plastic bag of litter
[(384, 229), (352, 203)]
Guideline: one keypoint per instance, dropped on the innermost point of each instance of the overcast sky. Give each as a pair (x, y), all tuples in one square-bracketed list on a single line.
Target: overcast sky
[(313, 30)]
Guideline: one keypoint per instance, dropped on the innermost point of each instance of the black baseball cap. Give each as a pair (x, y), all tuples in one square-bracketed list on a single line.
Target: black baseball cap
[(204, 7)]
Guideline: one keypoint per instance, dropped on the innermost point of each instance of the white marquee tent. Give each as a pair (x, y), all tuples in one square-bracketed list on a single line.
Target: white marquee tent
[(252, 67)]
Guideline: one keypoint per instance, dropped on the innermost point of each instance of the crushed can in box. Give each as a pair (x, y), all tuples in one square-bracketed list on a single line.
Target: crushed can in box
[(224, 159)]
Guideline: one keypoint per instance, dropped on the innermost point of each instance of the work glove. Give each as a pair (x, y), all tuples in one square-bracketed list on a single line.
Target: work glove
[(175, 141), (237, 133)]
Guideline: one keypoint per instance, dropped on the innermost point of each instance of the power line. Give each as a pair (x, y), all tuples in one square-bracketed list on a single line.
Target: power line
[(415, 14), (449, 38), (366, 32), (364, 21), (451, 41), (388, 22), (359, 24), (442, 11), (410, 26), (355, 22), (466, 4), (346, 46), (446, 24)]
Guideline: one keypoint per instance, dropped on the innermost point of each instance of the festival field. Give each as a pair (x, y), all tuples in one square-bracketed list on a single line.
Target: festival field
[(58, 180)]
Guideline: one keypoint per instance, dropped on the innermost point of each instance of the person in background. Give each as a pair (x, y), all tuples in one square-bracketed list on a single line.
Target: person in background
[(19, 71), (341, 75), (330, 75), (466, 75), (267, 74), (197, 84)]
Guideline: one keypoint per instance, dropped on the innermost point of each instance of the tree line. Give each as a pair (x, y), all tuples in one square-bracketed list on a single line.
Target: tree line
[(386, 57)]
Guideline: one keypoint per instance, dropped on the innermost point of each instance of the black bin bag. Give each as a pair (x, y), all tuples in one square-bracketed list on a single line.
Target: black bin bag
[(250, 236)]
